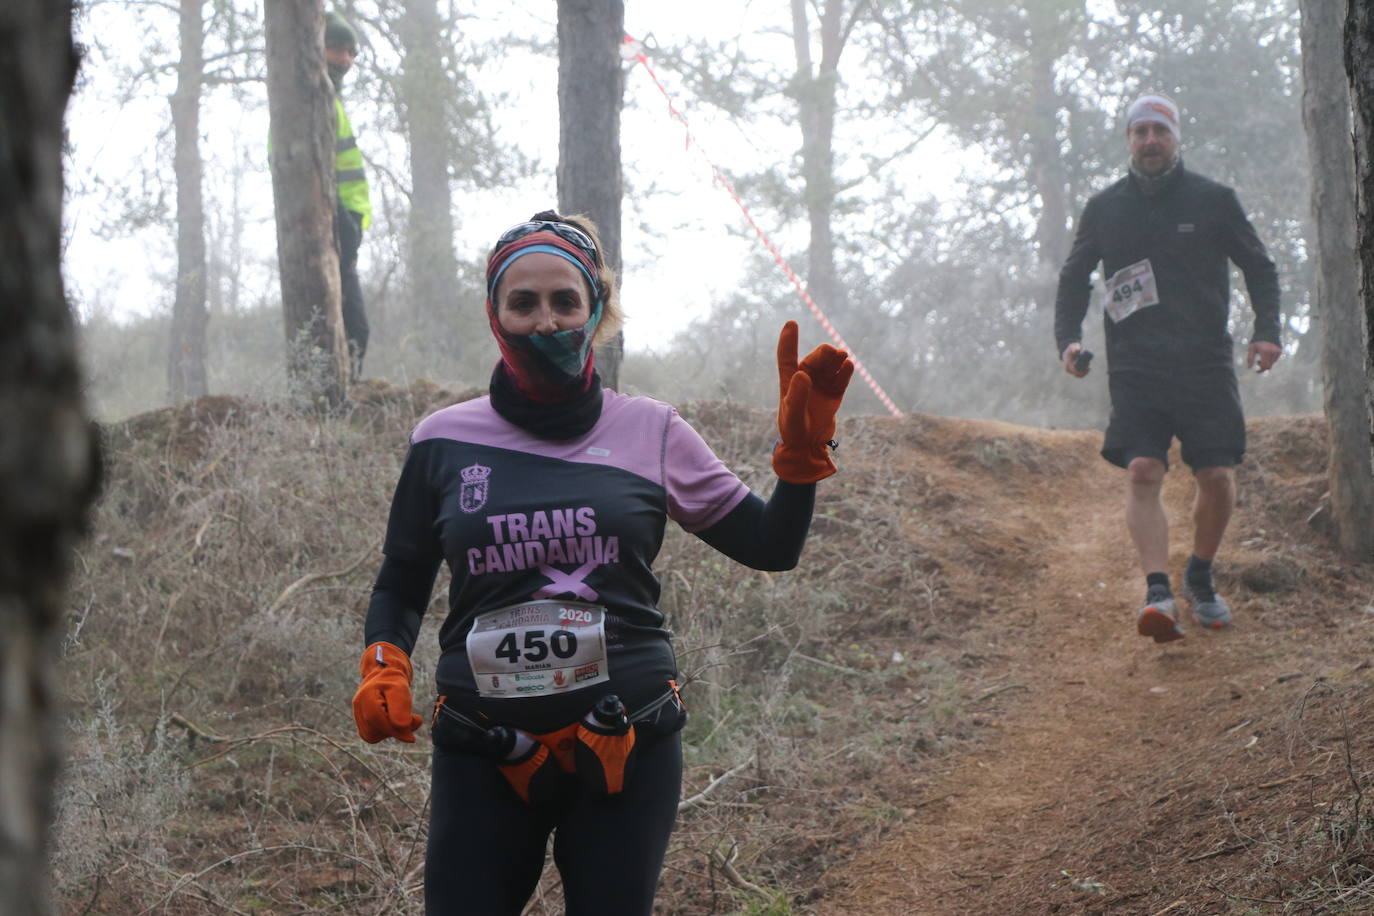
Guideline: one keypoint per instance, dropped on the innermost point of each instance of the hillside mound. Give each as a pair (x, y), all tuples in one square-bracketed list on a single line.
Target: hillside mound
[(945, 709)]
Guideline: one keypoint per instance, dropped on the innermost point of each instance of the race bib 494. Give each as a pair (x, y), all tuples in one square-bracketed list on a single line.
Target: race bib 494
[(1129, 290)]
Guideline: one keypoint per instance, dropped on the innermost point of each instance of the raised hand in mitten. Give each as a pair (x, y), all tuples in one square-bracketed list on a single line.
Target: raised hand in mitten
[(810, 393), (382, 705)]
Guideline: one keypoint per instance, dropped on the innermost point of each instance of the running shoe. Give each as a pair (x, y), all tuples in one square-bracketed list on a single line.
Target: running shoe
[(1159, 619), (1209, 610)]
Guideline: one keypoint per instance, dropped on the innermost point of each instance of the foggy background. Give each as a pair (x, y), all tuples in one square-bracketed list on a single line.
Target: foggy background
[(966, 140)]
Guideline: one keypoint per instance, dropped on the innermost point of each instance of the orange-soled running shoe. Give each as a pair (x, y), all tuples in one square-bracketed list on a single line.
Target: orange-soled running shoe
[(1209, 609), (1158, 618)]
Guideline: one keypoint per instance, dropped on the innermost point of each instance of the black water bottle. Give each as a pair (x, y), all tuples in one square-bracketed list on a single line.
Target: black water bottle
[(608, 716), (508, 744), (604, 753)]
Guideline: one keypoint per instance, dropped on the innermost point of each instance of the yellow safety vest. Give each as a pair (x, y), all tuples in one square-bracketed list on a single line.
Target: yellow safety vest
[(348, 167)]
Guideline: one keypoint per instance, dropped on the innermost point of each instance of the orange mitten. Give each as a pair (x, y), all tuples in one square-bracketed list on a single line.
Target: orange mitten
[(382, 705), (809, 397)]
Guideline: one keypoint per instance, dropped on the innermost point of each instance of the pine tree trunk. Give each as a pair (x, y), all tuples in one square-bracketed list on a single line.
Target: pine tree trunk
[(433, 264), (48, 466), (815, 88), (300, 103), (1326, 114), (591, 90), (186, 356), (1359, 65), (1047, 173)]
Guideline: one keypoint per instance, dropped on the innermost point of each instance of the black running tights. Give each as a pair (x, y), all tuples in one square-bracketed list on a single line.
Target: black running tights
[(486, 846)]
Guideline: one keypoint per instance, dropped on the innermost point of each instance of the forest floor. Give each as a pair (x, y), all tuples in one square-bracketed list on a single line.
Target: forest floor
[(1223, 773), (944, 710)]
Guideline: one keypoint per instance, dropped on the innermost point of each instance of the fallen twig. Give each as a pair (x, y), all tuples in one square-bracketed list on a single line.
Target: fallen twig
[(994, 691), (1349, 892), (697, 799), (825, 664), (1226, 893), (727, 868), (1234, 847)]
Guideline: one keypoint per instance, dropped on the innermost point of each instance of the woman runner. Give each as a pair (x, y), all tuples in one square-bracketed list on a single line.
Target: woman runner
[(558, 709)]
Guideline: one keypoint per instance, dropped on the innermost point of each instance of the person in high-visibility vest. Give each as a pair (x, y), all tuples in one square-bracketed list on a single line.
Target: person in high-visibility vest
[(354, 208)]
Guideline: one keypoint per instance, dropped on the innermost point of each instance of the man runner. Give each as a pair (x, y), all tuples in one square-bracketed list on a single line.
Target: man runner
[(1163, 236)]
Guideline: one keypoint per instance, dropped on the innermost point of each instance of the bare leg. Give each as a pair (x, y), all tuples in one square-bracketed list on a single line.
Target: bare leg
[(1149, 527), (1216, 498), (1145, 518)]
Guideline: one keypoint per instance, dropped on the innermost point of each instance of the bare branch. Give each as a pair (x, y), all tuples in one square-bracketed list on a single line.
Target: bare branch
[(308, 578), (855, 15)]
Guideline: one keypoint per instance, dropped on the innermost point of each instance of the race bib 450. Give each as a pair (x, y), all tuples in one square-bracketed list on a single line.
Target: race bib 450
[(538, 648)]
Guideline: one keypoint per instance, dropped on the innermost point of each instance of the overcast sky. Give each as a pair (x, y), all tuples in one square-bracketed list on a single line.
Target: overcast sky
[(666, 283)]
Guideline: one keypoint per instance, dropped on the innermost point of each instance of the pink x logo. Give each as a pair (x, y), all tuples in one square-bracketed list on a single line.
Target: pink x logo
[(573, 583)]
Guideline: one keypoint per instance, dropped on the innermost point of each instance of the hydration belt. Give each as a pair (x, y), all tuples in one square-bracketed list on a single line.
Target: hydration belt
[(597, 753)]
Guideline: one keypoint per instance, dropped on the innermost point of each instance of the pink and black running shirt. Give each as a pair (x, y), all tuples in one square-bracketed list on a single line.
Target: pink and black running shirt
[(517, 517)]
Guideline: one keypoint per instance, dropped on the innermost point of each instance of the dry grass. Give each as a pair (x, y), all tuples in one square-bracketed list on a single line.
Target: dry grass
[(209, 659), (216, 617), (211, 653)]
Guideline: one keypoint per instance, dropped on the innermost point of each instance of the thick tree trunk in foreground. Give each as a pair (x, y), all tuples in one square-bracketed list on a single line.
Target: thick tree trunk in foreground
[(186, 356), (591, 89), (47, 447), (300, 103), (1359, 65), (1326, 114)]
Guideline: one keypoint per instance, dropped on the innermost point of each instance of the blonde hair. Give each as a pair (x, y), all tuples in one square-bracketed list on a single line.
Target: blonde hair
[(612, 319)]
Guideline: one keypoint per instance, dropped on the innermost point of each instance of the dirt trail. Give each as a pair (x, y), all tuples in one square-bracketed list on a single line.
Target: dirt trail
[(1107, 784)]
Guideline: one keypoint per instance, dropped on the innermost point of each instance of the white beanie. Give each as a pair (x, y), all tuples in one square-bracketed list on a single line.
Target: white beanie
[(1158, 108)]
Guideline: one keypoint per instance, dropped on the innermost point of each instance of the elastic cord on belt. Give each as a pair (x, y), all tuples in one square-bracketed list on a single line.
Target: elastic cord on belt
[(639, 715)]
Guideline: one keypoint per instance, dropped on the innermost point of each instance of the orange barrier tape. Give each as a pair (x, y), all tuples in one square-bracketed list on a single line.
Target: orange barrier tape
[(767, 242)]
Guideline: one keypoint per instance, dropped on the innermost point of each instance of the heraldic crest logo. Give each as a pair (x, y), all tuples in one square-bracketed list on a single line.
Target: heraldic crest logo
[(473, 495)]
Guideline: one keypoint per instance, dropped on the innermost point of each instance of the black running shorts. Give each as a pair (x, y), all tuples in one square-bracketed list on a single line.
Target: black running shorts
[(1200, 407)]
